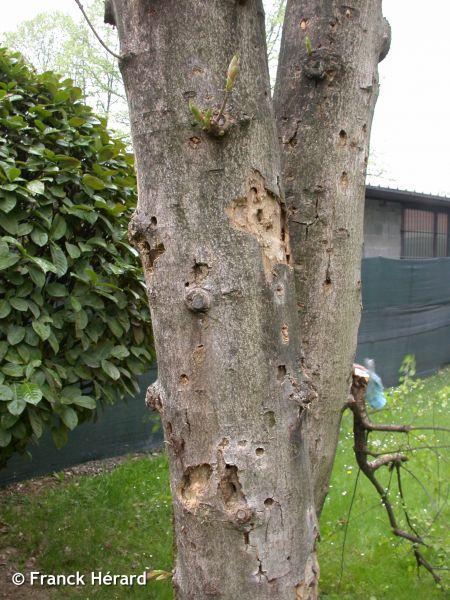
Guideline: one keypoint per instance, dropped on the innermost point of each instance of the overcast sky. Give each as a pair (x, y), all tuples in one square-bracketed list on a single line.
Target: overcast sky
[(411, 131)]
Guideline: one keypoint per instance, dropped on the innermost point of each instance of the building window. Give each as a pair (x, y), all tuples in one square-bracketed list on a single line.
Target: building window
[(425, 233)]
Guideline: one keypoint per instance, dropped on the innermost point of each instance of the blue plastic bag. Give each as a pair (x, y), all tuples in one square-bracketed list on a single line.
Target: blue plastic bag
[(375, 391)]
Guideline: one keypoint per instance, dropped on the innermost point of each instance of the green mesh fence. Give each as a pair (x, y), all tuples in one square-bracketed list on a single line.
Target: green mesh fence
[(406, 310)]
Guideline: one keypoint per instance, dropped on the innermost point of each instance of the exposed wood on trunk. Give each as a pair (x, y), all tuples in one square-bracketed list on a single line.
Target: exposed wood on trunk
[(324, 101), (221, 294)]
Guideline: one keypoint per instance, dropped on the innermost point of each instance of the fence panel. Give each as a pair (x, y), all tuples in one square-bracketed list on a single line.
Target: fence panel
[(406, 310)]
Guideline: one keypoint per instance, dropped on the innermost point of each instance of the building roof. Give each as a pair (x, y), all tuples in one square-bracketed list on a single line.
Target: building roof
[(405, 196)]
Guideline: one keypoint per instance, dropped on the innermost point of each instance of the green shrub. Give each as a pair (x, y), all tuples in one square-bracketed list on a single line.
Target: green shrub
[(74, 323)]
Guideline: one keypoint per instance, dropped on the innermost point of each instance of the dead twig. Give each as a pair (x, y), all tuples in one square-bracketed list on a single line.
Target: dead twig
[(362, 426), (80, 6)]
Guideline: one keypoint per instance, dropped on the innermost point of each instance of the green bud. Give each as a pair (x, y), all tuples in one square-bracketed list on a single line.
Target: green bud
[(308, 45), (207, 119), (233, 69), (196, 112)]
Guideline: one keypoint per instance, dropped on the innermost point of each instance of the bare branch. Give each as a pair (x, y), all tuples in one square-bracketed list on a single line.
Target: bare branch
[(387, 459), (362, 426), (80, 6)]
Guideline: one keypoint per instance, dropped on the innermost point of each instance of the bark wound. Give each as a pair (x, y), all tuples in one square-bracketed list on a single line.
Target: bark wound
[(195, 485), (149, 255), (321, 64), (198, 355), (230, 487), (269, 419), (307, 589), (234, 502), (146, 240), (262, 214), (154, 397)]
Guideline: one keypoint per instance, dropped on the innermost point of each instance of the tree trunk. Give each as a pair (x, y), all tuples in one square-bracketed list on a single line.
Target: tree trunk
[(325, 95), (210, 227)]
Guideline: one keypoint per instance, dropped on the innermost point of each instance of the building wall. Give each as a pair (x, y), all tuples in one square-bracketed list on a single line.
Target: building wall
[(382, 228)]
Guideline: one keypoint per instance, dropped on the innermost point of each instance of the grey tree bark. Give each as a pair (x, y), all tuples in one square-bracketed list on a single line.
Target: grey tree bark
[(210, 227), (324, 100), (212, 230)]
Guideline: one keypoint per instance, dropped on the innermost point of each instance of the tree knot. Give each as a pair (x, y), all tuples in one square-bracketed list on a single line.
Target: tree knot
[(322, 63), (198, 299)]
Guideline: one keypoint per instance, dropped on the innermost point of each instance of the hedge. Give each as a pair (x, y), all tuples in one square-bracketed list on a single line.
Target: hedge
[(74, 323)]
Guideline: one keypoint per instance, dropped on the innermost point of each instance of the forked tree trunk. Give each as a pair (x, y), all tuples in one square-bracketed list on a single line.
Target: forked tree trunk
[(212, 230), (210, 227), (324, 101)]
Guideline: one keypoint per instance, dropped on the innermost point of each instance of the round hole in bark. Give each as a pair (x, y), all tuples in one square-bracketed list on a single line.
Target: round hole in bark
[(268, 502), (259, 451), (344, 179), (281, 372), (184, 379), (343, 137), (153, 222), (269, 418), (304, 24)]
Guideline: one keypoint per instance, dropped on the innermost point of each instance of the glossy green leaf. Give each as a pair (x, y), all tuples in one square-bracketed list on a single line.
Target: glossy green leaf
[(8, 261), (39, 237), (85, 402), (59, 227), (36, 187), (16, 406), (19, 304), (43, 330), (5, 308), (110, 369), (59, 436), (15, 334), (59, 260), (72, 250), (57, 290), (5, 393), (12, 173), (30, 392), (69, 417), (93, 182), (8, 202), (36, 422), (5, 437)]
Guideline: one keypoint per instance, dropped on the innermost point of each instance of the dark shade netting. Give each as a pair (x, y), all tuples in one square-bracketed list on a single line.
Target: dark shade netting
[(406, 310), (123, 428)]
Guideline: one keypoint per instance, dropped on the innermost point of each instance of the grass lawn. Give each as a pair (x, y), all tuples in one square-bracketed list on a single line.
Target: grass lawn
[(120, 521)]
